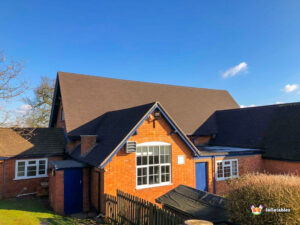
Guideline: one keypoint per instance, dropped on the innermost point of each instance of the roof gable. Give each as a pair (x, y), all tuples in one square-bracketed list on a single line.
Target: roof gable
[(86, 97), (115, 128)]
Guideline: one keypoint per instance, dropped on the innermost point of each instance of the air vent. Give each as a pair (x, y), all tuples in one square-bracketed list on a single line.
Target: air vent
[(130, 146)]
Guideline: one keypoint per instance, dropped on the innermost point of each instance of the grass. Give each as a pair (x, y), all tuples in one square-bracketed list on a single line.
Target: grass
[(34, 211)]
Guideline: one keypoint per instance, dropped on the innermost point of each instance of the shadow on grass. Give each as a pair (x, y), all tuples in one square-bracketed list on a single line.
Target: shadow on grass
[(38, 205), (60, 220)]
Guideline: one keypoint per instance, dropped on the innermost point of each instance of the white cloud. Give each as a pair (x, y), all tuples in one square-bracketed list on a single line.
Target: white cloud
[(290, 88), (279, 102), (233, 71), (23, 109), (246, 106)]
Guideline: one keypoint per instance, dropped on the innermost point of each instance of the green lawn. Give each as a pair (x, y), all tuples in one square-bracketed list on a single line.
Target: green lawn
[(33, 212)]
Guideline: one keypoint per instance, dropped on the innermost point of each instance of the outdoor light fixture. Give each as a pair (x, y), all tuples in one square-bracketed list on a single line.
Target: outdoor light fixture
[(156, 117), (156, 114)]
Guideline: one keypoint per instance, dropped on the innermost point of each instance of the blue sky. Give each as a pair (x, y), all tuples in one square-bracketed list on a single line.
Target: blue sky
[(250, 48)]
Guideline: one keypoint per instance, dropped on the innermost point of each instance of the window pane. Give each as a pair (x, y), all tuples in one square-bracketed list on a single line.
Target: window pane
[(21, 173), (144, 151), (162, 150), (168, 150), (32, 162), (156, 179), (167, 169), (144, 180), (163, 178), (139, 180), (151, 159), (145, 171), (156, 159), (42, 167), (234, 168), (144, 160), (162, 159), (156, 150), (167, 178), (168, 158), (31, 171), (21, 164), (220, 170), (227, 171), (21, 169), (138, 160), (150, 170), (139, 172)]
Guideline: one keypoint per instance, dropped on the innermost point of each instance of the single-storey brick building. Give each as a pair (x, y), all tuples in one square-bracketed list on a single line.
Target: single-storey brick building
[(24, 158)]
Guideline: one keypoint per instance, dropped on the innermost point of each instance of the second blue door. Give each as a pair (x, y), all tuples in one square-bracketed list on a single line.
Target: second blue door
[(201, 176), (73, 191)]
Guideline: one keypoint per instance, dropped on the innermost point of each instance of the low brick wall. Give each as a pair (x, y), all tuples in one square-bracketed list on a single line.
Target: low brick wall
[(281, 167)]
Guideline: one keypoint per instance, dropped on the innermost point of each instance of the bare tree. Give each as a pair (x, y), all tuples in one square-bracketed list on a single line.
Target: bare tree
[(40, 104), (11, 84)]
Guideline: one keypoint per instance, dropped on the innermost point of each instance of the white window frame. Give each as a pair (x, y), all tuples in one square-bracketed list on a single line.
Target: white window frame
[(149, 144), (223, 164), (26, 166)]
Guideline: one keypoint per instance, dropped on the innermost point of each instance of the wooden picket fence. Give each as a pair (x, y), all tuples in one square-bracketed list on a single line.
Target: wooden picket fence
[(126, 209)]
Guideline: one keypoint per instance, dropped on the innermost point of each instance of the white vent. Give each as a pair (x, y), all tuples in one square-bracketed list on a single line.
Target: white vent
[(130, 146)]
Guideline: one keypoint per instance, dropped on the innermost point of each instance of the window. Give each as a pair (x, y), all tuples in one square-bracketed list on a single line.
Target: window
[(153, 164), (62, 115), (227, 169), (31, 168)]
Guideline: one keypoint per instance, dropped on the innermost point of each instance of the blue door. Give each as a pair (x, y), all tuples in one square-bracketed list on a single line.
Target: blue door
[(73, 191), (201, 176)]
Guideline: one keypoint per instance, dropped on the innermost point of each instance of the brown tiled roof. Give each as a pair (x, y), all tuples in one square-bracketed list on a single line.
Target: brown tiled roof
[(85, 98), (26, 142)]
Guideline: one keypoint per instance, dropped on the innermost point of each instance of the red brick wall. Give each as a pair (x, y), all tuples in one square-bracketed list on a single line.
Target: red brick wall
[(281, 167), (94, 188), (56, 191), (14, 187), (120, 173), (1, 177), (87, 142), (247, 164), (59, 121), (86, 177), (201, 140)]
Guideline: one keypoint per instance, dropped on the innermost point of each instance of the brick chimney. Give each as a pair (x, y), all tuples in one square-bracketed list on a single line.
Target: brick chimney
[(87, 142)]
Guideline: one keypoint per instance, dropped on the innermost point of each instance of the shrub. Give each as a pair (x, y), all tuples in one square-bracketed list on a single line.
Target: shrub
[(271, 191)]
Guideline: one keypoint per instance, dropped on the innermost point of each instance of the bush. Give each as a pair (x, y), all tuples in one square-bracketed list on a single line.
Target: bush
[(270, 191)]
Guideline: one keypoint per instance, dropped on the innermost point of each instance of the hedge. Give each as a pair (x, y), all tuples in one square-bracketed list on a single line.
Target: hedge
[(269, 191)]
